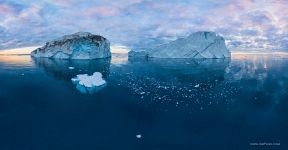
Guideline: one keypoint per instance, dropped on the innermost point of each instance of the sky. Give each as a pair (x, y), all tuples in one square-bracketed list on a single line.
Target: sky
[(245, 24)]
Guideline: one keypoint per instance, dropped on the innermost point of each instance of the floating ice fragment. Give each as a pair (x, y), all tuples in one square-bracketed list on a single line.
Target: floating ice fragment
[(89, 84), (138, 136), (90, 81), (71, 68), (197, 85)]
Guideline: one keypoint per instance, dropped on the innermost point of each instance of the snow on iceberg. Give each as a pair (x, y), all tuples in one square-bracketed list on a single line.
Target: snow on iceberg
[(89, 84)]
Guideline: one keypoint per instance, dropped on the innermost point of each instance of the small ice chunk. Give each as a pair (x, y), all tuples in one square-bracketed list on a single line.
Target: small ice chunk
[(71, 68), (22, 74), (89, 81), (89, 84), (141, 93), (138, 136), (197, 85)]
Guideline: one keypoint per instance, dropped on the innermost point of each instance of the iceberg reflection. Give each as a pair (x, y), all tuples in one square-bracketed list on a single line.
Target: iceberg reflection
[(68, 69), (183, 70)]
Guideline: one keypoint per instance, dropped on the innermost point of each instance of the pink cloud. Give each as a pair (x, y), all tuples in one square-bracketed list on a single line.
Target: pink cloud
[(102, 11), (6, 10), (65, 3)]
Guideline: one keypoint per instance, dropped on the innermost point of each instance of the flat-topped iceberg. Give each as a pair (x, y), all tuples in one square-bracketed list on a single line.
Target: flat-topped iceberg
[(81, 45), (197, 45), (89, 84)]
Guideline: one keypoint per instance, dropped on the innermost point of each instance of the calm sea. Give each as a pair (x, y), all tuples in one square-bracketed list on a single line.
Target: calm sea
[(238, 103)]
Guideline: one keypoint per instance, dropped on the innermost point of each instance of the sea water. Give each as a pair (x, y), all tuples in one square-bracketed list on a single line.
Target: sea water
[(236, 103)]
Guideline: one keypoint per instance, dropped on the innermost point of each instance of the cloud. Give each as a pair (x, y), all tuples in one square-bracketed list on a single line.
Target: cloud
[(144, 23)]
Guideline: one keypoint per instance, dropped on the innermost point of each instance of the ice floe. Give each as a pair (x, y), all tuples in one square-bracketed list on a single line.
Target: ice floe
[(89, 84), (138, 136)]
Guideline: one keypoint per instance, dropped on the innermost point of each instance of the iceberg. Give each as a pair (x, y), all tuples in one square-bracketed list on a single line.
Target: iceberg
[(141, 54), (89, 84), (197, 45), (81, 45)]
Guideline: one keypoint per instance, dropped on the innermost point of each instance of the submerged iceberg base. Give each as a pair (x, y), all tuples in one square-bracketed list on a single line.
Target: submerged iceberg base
[(89, 84)]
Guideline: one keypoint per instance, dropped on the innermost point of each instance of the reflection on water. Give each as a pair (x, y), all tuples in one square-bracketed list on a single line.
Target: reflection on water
[(68, 69), (16, 61), (171, 103), (197, 83), (62, 68), (261, 79), (182, 69)]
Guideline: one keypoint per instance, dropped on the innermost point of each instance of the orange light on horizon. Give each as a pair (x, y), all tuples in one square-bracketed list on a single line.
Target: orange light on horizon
[(18, 51)]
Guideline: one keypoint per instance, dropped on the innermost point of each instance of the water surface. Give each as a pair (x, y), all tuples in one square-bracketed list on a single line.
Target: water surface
[(171, 103)]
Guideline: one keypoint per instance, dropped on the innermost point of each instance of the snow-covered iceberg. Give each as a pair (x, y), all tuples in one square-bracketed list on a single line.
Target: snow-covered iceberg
[(89, 84), (81, 45), (197, 45)]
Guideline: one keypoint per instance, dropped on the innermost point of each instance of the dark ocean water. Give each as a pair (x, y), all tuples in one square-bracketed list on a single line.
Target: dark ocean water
[(238, 103)]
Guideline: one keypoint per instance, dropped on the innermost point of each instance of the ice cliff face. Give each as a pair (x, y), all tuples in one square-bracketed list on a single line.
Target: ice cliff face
[(196, 45), (81, 45)]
